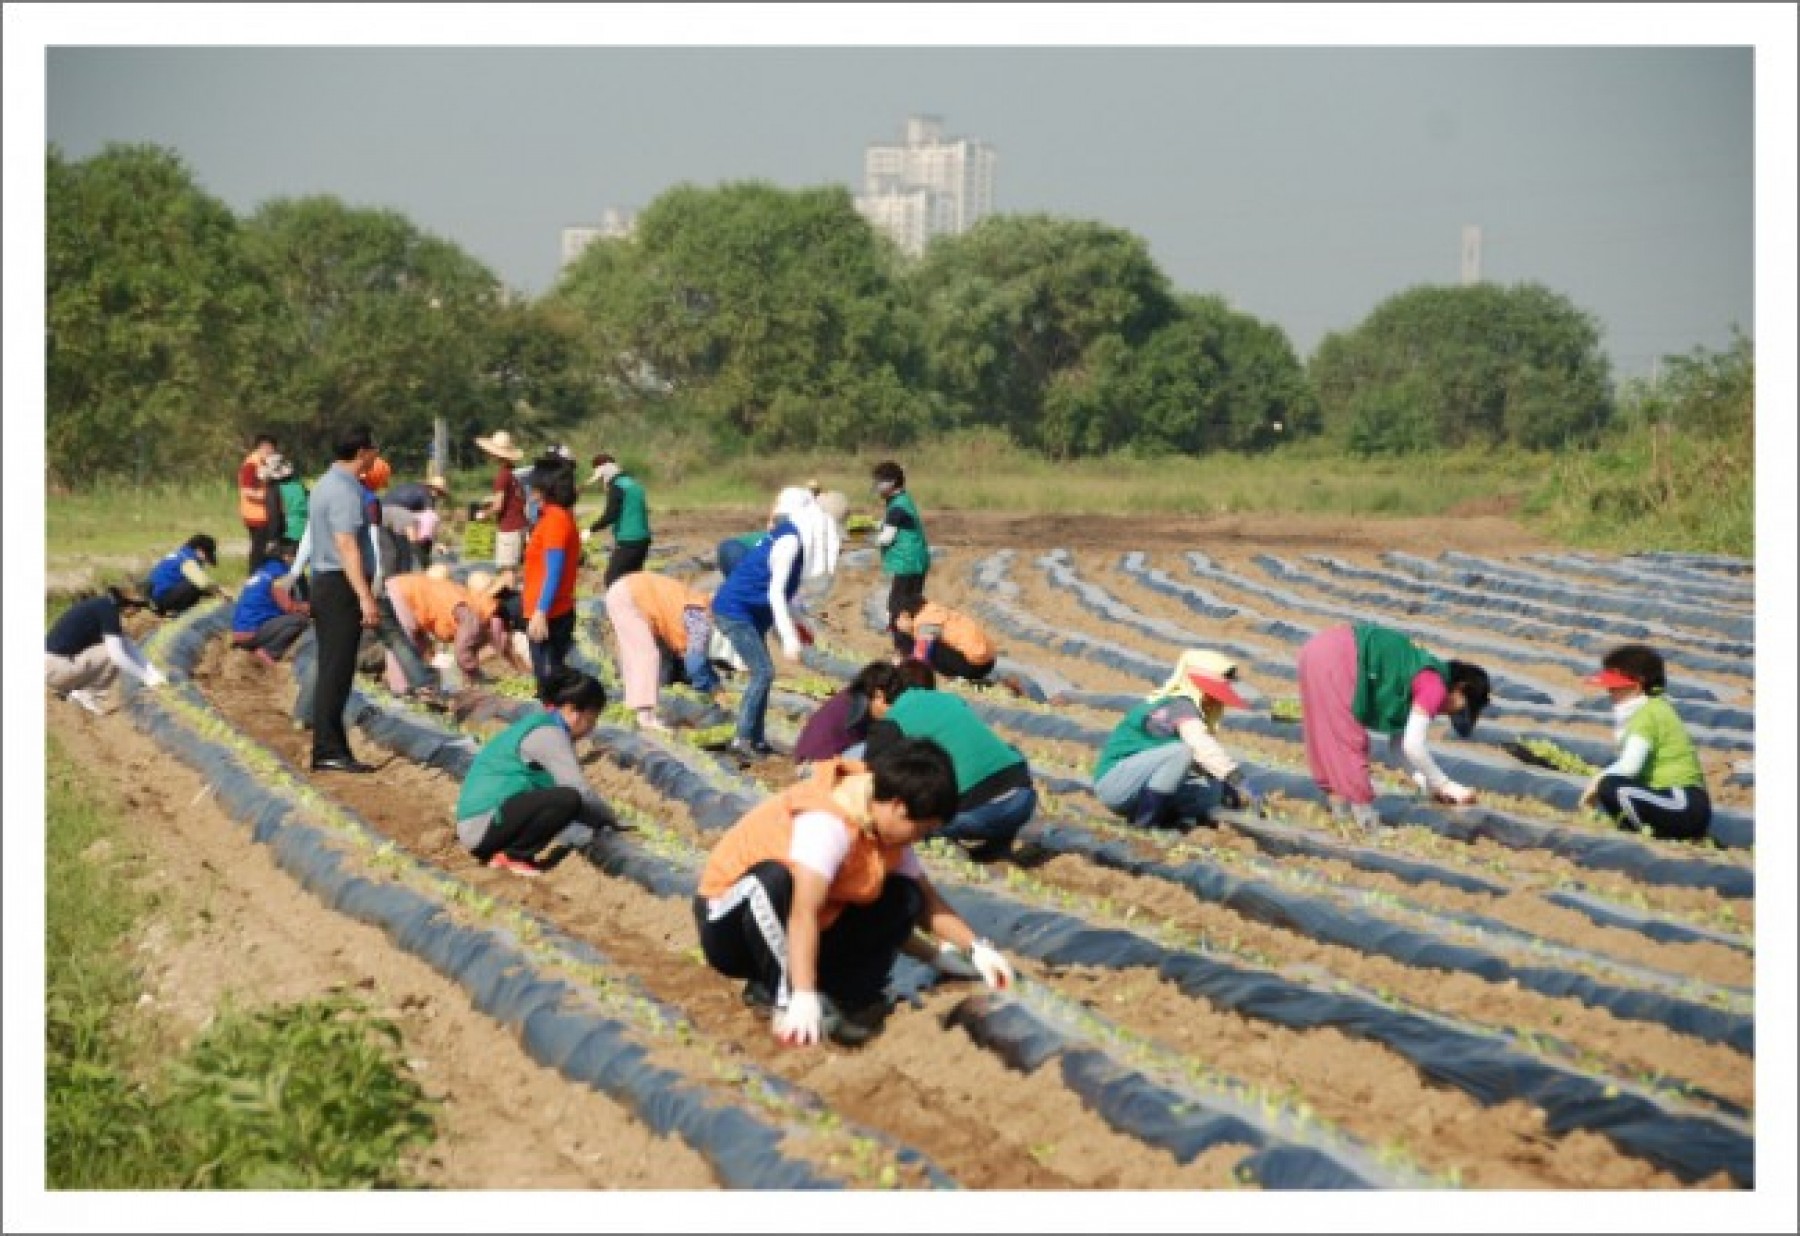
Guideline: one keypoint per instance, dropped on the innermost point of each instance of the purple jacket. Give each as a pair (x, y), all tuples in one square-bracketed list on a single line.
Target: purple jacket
[(836, 725)]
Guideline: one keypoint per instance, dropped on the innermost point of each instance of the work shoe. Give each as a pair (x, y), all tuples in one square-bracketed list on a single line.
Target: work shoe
[(518, 866), (89, 700), (341, 764), (851, 1027), (757, 996), (988, 851), (746, 753)]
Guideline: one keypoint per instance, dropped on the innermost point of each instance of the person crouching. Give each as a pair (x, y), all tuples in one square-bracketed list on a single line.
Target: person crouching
[(812, 894)]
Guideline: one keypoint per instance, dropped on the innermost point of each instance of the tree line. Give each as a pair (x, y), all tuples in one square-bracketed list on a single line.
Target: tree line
[(746, 315)]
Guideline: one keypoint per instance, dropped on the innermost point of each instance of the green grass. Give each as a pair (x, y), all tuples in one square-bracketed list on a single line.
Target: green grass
[(310, 1095)]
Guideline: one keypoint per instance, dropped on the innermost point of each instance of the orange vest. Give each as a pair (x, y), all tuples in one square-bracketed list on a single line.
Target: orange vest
[(661, 599), (434, 601), (960, 631), (252, 510), (767, 832)]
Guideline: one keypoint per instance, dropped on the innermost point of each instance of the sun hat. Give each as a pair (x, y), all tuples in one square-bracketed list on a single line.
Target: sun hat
[(437, 484), (482, 583), (437, 570), (1206, 672), (1611, 680), (500, 445)]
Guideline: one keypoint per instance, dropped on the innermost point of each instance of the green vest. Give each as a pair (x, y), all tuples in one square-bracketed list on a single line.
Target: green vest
[(1672, 761), (909, 554), (497, 773), (976, 751), (634, 512), (294, 502), (1386, 664), (1130, 736)]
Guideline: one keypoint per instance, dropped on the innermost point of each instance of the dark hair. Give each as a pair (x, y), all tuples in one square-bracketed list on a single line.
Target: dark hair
[(911, 673), (1639, 661), (554, 478), (918, 773), (573, 688), (602, 459), (876, 676), (912, 605), (285, 549), (124, 597), (352, 442), (205, 546), (1476, 691), (891, 472), (262, 438)]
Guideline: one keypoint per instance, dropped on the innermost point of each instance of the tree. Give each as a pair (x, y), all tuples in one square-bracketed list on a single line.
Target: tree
[(376, 322), (1466, 366), (153, 319)]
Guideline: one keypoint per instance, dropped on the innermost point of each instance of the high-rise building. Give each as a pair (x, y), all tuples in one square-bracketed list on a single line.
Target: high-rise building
[(614, 225), (927, 185)]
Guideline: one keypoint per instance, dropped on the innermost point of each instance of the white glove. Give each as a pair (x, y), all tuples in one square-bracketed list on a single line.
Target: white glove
[(995, 970), (798, 1025), (587, 534), (1454, 794), (154, 677), (790, 648), (1419, 780), (952, 962)]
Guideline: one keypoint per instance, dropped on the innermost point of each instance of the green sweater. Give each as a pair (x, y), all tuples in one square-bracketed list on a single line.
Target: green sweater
[(1672, 761), (1386, 664), (975, 750), (1130, 736), (634, 511)]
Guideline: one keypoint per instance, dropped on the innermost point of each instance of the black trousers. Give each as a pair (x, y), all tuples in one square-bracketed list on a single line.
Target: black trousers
[(628, 557), (903, 590), (1673, 815), (179, 599), (261, 537), (748, 938), (337, 630), (951, 663), (526, 823)]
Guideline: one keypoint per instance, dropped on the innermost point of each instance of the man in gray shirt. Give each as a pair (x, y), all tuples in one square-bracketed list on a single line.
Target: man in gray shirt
[(343, 600)]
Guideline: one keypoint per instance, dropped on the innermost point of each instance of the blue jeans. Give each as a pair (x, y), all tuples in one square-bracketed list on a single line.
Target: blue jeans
[(1168, 769), (998, 819), (752, 645), (553, 653)]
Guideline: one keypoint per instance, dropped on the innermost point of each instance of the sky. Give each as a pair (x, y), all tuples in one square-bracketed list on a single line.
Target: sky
[(1304, 184), (1305, 162)]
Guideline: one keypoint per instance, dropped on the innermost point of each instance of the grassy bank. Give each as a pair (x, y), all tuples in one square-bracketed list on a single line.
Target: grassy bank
[(301, 1096)]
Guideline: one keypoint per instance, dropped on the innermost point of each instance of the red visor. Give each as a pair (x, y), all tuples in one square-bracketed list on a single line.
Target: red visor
[(1218, 689), (1611, 680)]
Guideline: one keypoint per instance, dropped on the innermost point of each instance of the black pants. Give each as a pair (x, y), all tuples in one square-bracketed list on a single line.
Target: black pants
[(179, 599), (903, 590), (261, 537), (628, 557), (526, 823), (748, 940), (337, 629), (951, 663), (1673, 815)]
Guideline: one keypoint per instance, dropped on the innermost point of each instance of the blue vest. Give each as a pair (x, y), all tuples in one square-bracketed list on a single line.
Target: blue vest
[(168, 572), (256, 602), (745, 593)]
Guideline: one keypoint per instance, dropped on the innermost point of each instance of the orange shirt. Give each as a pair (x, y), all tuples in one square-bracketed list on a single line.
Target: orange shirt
[(434, 601), (661, 600), (958, 630), (555, 530), (767, 832)]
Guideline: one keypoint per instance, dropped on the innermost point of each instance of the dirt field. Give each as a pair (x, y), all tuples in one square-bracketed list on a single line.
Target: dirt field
[(245, 929)]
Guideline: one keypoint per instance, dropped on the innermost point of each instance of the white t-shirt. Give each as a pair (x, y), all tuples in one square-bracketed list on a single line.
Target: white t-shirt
[(821, 844)]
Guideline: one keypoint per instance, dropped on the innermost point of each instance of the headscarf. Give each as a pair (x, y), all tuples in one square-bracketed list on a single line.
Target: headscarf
[(819, 543), (1212, 693)]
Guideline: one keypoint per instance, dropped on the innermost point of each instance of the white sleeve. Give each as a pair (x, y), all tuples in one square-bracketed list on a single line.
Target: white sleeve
[(302, 555), (781, 562), (1418, 752), (1631, 758), (127, 657), (820, 843), (910, 866), (1207, 751)]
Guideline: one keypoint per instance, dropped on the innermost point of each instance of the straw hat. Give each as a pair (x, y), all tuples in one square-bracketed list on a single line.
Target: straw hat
[(500, 445), (437, 570), (482, 583), (437, 484)]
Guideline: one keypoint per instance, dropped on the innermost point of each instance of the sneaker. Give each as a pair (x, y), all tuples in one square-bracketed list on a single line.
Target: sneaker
[(89, 700), (747, 753), (518, 866)]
